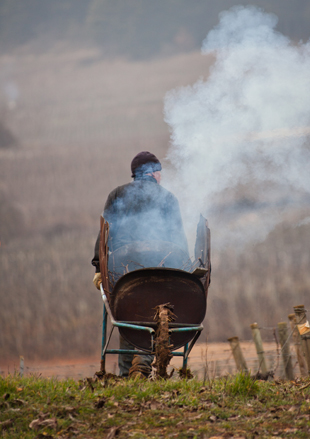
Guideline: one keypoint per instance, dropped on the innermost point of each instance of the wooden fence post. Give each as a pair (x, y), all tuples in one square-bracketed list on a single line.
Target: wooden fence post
[(304, 331), (298, 348), (21, 366), (237, 353), (259, 347), (285, 348)]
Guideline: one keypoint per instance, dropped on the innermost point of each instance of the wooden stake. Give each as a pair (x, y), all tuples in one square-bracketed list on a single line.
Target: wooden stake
[(304, 331), (298, 348), (237, 353), (21, 366), (286, 355), (259, 347)]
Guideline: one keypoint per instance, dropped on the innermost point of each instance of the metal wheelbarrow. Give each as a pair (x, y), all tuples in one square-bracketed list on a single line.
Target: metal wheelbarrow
[(131, 297)]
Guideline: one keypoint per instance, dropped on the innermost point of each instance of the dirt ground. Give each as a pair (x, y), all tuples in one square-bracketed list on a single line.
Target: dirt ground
[(206, 360)]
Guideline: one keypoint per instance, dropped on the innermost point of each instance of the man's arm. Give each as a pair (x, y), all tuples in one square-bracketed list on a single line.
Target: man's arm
[(95, 260), (107, 214)]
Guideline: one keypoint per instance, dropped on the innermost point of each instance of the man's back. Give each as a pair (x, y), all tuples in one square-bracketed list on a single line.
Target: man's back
[(143, 211)]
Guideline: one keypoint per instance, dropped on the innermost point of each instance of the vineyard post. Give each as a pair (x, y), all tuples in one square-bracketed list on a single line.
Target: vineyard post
[(237, 353), (298, 348), (21, 366), (304, 331), (259, 347), (285, 348)]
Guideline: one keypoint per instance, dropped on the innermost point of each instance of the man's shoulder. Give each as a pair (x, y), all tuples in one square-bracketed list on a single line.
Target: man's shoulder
[(141, 185), (156, 187), (167, 193), (119, 190)]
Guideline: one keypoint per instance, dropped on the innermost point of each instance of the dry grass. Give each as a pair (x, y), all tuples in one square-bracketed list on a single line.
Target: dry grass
[(236, 406)]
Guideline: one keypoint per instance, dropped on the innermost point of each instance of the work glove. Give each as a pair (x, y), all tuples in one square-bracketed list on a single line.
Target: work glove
[(97, 280)]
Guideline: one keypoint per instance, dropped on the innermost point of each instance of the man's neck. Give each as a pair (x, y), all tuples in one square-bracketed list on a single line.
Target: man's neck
[(147, 177)]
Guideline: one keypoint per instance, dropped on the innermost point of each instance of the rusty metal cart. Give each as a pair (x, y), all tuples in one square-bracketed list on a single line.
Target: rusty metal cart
[(130, 300)]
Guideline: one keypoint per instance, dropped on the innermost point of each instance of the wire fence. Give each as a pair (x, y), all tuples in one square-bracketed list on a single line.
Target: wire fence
[(207, 361), (212, 367), (212, 360)]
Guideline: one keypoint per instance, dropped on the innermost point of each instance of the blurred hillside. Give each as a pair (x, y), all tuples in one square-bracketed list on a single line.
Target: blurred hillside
[(138, 29), (77, 102)]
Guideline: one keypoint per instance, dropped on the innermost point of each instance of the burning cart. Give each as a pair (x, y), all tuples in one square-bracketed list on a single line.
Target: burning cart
[(142, 278)]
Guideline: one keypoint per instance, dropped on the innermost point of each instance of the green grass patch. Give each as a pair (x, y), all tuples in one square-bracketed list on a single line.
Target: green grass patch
[(242, 384), (37, 408)]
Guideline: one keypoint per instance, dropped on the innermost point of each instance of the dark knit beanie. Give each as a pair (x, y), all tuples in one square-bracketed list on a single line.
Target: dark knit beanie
[(143, 163)]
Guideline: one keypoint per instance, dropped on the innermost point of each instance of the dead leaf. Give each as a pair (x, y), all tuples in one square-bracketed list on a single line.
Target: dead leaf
[(213, 418), (69, 409), (290, 430), (196, 417), (112, 432), (155, 405), (293, 408), (64, 411), (233, 418), (36, 424)]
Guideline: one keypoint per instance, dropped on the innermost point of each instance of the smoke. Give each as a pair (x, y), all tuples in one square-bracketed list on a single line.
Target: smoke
[(239, 147), (304, 222)]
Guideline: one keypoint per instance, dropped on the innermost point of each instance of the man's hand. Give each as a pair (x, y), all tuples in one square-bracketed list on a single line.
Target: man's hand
[(97, 280)]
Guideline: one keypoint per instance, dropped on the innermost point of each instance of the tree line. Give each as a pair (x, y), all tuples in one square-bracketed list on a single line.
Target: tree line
[(132, 28)]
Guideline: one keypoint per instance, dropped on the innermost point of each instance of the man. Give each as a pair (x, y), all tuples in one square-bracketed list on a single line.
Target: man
[(138, 212)]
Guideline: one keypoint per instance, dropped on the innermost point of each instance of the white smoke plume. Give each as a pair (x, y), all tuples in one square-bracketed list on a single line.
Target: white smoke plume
[(239, 148)]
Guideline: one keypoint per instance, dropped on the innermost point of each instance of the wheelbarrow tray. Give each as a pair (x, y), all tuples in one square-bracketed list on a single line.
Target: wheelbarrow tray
[(137, 293)]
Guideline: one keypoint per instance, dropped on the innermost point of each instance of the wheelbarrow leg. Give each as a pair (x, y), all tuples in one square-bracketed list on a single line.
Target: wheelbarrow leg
[(104, 336), (185, 357)]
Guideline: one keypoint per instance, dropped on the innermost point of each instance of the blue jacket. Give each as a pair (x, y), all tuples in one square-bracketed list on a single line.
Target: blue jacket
[(142, 211)]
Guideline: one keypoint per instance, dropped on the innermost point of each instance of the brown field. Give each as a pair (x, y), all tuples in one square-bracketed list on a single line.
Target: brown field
[(79, 120), (205, 361)]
